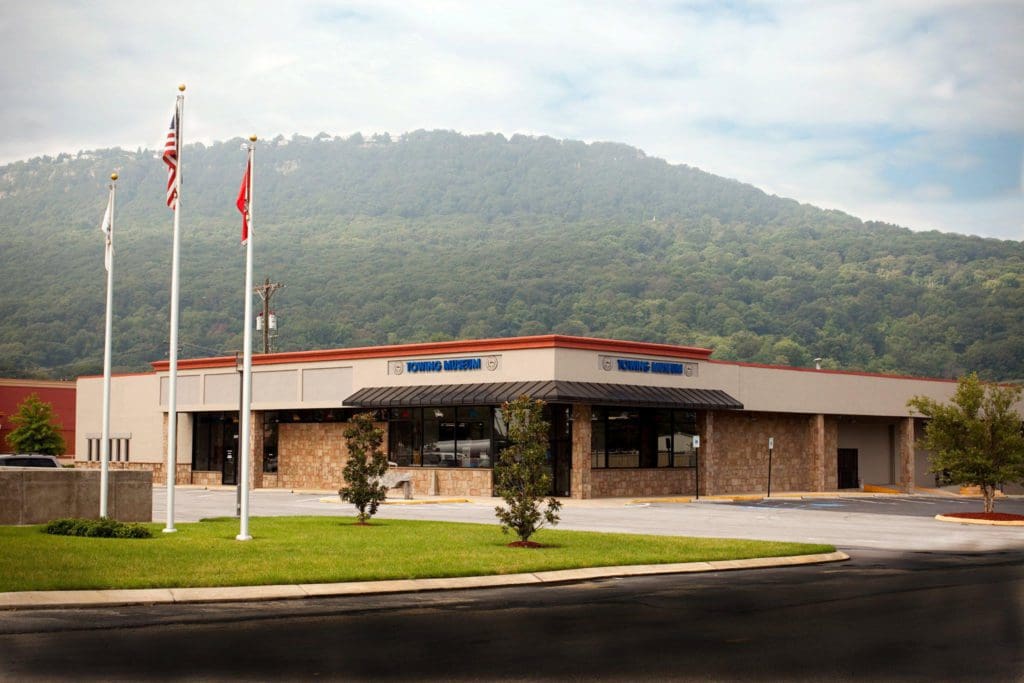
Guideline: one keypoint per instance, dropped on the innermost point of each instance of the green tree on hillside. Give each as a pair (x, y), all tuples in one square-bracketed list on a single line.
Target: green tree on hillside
[(436, 235), (976, 439), (36, 429)]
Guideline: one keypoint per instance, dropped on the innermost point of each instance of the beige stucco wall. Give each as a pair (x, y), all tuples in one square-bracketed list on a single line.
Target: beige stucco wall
[(793, 396), (790, 390), (875, 455), (322, 385), (133, 410)]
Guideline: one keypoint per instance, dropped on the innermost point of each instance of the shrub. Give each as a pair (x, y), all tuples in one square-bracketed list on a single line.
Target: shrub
[(36, 429), (365, 468), (519, 472), (96, 528)]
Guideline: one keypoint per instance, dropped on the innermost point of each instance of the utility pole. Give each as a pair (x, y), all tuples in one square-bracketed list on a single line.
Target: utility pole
[(266, 292)]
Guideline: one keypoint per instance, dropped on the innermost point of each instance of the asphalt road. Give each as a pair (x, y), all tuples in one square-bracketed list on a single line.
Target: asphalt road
[(882, 617), (920, 600)]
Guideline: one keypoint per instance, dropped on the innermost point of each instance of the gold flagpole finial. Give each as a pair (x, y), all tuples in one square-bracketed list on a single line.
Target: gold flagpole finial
[(252, 138), (113, 176), (181, 87)]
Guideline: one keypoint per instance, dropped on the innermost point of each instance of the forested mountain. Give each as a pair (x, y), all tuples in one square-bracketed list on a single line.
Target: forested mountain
[(436, 235)]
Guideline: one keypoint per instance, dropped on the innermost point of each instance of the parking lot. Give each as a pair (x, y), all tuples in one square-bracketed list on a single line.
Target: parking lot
[(902, 523), (913, 506)]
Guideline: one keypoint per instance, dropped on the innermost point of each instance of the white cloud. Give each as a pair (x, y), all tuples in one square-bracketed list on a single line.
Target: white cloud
[(789, 96)]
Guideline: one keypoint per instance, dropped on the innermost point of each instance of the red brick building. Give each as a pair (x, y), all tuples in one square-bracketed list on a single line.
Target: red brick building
[(61, 395)]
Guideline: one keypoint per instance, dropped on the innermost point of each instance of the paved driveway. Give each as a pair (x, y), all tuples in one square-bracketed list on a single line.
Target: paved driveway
[(915, 506), (844, 522)]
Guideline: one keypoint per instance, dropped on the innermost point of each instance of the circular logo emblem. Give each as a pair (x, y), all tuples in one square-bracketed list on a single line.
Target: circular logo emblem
[(492, 363), (606, 363), (396, 368)]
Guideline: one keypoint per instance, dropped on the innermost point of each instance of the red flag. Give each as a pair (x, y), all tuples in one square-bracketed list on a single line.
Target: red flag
[(170, 158), (243, 203)]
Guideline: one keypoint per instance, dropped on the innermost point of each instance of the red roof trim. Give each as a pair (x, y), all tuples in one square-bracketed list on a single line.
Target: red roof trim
[(549, 341), (38, 383), (121, 374)]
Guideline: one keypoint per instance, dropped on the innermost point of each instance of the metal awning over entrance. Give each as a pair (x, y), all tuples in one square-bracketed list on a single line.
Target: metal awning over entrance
[(552, 391)]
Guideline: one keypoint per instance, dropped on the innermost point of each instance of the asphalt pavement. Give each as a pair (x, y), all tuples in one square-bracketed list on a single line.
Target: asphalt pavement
[(849, 522), (880, 521), (882, 616)]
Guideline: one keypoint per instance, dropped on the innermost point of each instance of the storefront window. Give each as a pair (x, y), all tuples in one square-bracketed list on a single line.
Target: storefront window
[(214, 439), (442, 437), (622, 434), (665, 437), (270, 443), (598, 450), (404, 443), (641, 438)]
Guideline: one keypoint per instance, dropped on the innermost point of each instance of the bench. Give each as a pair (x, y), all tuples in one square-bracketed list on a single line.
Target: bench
[(394, 479)]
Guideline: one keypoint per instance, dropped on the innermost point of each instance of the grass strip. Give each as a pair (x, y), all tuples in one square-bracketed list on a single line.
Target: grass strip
[(289, 550)]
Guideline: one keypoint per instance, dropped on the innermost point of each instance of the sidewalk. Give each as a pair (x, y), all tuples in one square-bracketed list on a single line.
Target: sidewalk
[(155, 596)]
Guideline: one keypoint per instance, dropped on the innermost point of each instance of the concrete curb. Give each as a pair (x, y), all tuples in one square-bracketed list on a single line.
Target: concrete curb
[(986, 522), (401, 501), (154, 596)]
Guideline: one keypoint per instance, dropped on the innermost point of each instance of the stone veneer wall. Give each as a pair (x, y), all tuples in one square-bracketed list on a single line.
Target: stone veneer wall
[(182, 476), (311, 455), (256, 475), (210, 478), (580, 477), (448, 481), (663, 481), (804, 458)]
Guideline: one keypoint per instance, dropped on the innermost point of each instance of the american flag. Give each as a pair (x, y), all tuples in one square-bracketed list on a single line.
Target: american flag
[(170, 158)]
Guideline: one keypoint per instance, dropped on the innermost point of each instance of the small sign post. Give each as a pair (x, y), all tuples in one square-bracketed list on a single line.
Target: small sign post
[(771, 447), (696, 462)]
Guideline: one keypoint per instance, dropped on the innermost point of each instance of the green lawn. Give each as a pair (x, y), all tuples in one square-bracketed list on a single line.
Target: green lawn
[(288, 550)]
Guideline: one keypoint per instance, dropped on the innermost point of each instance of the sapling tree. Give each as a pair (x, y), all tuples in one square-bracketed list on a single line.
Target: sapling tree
[(364, 471), (36, 429), (519, 472), (976, 438)]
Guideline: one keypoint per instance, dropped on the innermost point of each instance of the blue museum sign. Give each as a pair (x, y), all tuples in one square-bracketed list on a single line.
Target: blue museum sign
[(450, 365)]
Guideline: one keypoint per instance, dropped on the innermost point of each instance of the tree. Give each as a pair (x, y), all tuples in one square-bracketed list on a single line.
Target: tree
[(519, 471), (366, 466), (36, 429), (977, 438)]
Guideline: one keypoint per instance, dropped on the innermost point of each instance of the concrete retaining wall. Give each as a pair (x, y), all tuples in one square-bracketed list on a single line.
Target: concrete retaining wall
[(31, 495)]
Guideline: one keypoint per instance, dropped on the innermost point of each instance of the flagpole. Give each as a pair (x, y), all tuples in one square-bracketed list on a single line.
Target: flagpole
[(244, 422), (172, 391), (108, 257)]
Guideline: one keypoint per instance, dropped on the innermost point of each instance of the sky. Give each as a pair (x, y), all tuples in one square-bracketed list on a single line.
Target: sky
[(903, 111)]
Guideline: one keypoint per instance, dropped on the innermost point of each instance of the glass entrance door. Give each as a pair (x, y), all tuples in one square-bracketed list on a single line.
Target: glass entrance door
[(215, 445), (560, 450), (229, 474)]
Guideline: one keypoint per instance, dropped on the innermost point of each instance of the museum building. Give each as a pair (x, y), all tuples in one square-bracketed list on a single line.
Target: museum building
[(627, 418)]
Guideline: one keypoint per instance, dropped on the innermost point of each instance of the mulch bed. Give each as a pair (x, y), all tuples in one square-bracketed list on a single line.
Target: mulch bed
[(532, 544), (988, 516)]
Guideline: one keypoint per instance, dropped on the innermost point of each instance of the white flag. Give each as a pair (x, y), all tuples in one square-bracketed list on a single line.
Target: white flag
[(108, 231)]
